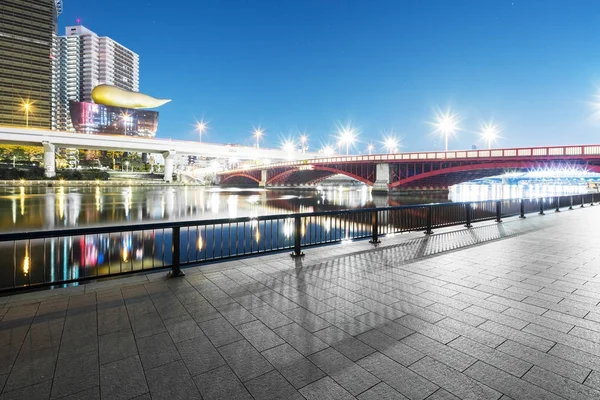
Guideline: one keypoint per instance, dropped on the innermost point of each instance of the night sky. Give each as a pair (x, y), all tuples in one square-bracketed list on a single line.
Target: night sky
[(385, 65)]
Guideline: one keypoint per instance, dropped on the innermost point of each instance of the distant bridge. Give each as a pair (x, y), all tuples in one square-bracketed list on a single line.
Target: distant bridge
[(168, 148), (418, 171)]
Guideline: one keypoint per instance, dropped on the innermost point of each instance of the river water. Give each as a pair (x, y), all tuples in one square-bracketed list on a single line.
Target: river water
[(26, 208)]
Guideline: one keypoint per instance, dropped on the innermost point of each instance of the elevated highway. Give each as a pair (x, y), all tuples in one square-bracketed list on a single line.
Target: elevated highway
[(167, 147)]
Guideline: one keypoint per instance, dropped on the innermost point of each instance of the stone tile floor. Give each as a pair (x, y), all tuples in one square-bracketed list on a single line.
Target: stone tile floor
[(498, 311)]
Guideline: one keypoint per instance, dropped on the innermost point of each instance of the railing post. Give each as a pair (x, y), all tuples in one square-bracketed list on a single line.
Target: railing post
[(175, 268), (498, 210), (468, 211), (582, 205), (592, 200), (297, 238), (375, 228), (541, 206), (522, 209), (557, 204), (571, 202), (429, 218)]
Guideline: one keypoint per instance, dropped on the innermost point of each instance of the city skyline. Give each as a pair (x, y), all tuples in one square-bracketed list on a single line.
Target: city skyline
[(501, 64)]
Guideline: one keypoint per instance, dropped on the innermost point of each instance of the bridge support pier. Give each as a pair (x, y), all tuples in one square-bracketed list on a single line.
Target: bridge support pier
[(263, 178), (49, 159), (169, 163), (382, 178)]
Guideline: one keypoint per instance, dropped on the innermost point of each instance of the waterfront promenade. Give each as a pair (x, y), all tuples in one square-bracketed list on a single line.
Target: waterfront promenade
[(504, 311)]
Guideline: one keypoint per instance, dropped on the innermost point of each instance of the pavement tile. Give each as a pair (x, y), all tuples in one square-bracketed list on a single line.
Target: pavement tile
[(123, 379), (453, 381), (298, 370), (183, 328), (39, 391), (146, 324), (382, 391), (325, 389), (157, 350), (344, 371), (259, 335), (75, 374), (559, 385), (117, 345), (172, 382), (518, 336), (113, 320), (449, 356), (350, 347), (306, 319), (235, 314), (220, 331), (272, 385), (221, 384), (88, 394), (301, 339), (506, 383), (244, 360), (199, 355), (484, 337), (390, 347), (434, 331), (398, 377), (545, 360), (270, 316)]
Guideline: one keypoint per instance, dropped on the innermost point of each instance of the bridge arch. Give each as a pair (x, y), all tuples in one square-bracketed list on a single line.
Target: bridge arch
[(307, 176), (466, 173), (240, 178)]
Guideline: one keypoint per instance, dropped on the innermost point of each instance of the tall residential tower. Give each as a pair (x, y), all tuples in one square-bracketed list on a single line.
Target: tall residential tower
[(86, 60), (27, 37)]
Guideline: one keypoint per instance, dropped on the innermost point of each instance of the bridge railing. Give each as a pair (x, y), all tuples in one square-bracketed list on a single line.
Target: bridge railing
[(550, 151), (64, 256)]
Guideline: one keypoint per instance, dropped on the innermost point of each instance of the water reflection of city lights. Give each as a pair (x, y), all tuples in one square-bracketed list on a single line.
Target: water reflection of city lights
[(288, 227), (22, 199), (26, 261), (199, 243)]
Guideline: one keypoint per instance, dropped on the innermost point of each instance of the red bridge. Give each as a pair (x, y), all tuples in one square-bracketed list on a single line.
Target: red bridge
[(418, 171)]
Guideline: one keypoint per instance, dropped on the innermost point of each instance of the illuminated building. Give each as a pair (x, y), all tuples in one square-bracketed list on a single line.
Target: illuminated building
[(87, 60), (101, 119), (27, 34)]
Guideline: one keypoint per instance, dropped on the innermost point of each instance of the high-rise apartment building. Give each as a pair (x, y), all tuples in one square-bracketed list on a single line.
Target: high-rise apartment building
[(27, 37), (86, 60)]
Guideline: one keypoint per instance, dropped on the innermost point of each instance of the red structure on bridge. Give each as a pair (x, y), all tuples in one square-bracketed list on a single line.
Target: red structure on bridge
[(418, 171)]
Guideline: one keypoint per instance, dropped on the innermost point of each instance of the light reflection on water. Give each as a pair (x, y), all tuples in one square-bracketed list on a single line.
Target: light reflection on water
[(499, 191), (33, 208)]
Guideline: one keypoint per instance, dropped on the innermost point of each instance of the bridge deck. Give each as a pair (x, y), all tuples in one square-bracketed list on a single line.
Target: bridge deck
[(457, 312)]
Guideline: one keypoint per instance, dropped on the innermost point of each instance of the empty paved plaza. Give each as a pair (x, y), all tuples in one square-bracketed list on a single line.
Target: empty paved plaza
[(499, 311)]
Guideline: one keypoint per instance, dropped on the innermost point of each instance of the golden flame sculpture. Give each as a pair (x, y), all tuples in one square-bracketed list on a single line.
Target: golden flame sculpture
[(114, 96)]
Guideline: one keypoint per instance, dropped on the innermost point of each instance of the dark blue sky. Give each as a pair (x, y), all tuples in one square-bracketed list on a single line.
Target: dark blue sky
[(533, 66)]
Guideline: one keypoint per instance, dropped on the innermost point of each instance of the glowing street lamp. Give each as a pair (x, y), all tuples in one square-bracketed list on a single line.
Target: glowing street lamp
[(489, 132), (288, 146), (258, 133), (347, 136), (328, 150), (391, 144), (447, 124), (201, 127), (303, 141), (27, 107), (370, 148)]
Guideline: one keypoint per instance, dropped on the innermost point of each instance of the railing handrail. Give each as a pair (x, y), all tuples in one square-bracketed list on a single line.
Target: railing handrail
[(42, 234)]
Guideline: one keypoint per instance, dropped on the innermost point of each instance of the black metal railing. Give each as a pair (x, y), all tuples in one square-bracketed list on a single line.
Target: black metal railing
[(58, 257)]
